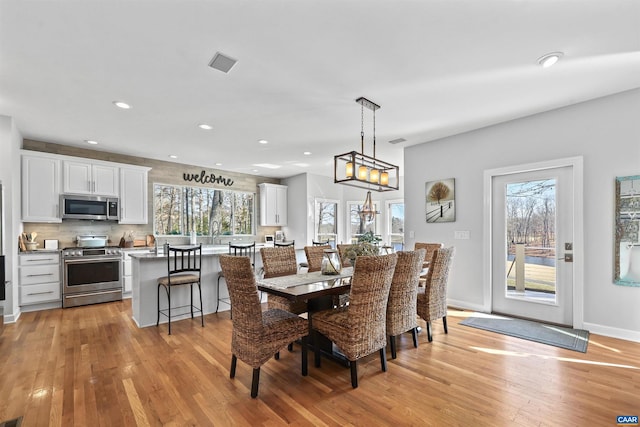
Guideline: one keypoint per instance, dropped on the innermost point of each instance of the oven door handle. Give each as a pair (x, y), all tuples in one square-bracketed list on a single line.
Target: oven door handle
[(88, 294), (90, 260)]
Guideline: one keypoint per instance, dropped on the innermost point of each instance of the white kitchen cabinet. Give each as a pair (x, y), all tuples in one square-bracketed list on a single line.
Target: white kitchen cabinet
[(90, 178), (39, 278), (133, 195), (273, 204), (41, 183)]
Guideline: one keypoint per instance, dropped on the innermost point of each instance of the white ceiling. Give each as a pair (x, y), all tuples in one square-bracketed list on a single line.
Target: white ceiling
[(437, 68)]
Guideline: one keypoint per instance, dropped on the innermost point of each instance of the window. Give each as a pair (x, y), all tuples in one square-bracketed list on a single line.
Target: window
[(208, 211), (395, 224), (357, 224), (326, 221)]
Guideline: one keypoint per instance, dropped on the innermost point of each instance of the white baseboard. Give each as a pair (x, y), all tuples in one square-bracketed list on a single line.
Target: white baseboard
[(465, 305), (623, 334)]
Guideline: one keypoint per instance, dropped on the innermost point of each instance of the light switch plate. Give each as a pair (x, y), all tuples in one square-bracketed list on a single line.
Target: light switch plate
[(461, 235)]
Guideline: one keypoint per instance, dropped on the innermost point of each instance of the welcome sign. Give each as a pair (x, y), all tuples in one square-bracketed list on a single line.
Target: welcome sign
[(204, 178)]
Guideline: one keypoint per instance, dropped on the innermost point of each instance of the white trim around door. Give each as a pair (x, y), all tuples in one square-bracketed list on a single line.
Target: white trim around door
[(578, 231)]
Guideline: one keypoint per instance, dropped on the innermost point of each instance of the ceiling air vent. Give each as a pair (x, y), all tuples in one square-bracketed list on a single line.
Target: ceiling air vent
[(397, 141), (222, 62)]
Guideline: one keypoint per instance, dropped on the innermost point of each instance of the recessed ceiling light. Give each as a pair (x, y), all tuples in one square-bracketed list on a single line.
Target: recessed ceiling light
[(218, 164), (122, 105), (550, 59), (90, 141), (173, 156), (307, 153), (205, 126), (254, 170), (263, 141)]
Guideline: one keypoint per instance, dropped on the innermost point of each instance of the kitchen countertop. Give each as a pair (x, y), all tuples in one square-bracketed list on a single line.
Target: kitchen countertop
[(207, 250)]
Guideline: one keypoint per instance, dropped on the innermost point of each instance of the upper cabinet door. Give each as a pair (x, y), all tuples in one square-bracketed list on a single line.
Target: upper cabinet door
[(133, 195), (273, 204), (77, 178), (105, 180), (89, 178), (41, 182)]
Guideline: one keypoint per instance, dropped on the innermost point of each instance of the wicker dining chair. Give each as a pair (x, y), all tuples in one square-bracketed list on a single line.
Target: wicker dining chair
[(432, 298), (401, 309), (305, 264), (314, 256), (342, 249), (256, 335), (281, 261), (359, 328), (430, 248)]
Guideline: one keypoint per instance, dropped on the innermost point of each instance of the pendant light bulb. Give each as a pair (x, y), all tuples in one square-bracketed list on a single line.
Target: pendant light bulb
[(349, 170), (362, 172), (374, 176), (384, 178)]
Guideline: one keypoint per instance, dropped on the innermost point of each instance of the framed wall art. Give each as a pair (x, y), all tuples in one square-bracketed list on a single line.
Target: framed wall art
[(440, 204)]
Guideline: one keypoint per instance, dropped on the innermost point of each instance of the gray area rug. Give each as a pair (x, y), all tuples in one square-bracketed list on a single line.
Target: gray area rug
[(558, 336)]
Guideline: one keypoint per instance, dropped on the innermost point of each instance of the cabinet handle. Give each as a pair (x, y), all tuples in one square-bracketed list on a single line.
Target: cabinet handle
[(40, 293), (39, 275), (41, 259)]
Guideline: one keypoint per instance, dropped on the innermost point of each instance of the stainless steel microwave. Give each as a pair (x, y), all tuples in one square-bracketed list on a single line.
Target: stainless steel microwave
[(97, 208)]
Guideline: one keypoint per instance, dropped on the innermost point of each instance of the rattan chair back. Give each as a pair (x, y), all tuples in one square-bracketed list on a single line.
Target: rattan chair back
[(279, 261), (314, 256), (401, 308)]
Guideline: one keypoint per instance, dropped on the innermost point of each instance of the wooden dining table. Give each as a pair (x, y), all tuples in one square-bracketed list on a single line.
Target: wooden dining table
[(317, 290)]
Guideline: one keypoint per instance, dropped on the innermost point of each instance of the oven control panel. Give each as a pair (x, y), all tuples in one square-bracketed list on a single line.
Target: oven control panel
[(92, 252)]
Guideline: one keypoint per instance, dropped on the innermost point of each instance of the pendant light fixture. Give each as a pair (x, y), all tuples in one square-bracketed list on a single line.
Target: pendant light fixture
[(361, 170), (368, 212)]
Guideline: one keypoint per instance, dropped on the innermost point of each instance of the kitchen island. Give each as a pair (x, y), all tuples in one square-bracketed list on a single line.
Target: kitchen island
[(148, 267)]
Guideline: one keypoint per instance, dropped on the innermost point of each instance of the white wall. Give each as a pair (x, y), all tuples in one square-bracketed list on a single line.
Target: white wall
[(606, 132), (10, 143)]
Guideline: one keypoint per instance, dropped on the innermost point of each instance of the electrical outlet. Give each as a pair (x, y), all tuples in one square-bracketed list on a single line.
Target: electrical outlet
[(461, 235), (412, 234)]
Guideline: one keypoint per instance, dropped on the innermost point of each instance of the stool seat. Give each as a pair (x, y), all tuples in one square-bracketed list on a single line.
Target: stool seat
[(179, 279)]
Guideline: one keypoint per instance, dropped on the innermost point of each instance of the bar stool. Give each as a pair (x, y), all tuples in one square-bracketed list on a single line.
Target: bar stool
[(183, 268), (284, 244), (236, 249)]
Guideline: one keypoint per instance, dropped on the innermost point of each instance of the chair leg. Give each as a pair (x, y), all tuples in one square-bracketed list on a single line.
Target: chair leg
[(305, 359), (169, 308), (353, 364), (383, 359), (158, 320), (201, 309), (414, 333), (429, 336), (444, 322), (254, 382), (392, 341), (218, 295), (191, 296), (234, 361)]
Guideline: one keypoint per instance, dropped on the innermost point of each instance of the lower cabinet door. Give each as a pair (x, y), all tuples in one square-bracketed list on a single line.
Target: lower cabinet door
[(34, 294)]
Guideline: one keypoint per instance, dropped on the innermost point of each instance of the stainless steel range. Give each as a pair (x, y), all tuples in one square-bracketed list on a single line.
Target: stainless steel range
[(91, 272)]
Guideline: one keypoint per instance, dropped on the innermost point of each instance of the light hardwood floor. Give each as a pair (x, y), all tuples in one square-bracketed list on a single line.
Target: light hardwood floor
[(92, 366)]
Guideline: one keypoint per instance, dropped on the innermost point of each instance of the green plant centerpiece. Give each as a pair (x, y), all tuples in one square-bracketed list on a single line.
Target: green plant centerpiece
[(367, 245)]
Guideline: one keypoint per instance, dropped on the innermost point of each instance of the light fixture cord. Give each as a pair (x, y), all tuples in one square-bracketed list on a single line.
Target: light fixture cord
[(374, 132), (362, 127)]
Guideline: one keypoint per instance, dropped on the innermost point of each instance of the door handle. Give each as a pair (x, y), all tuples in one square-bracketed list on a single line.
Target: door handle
[(567, 258)]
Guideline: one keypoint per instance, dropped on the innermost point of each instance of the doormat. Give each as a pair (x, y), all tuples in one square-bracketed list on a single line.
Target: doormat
[(558, 336), (12, 423)]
